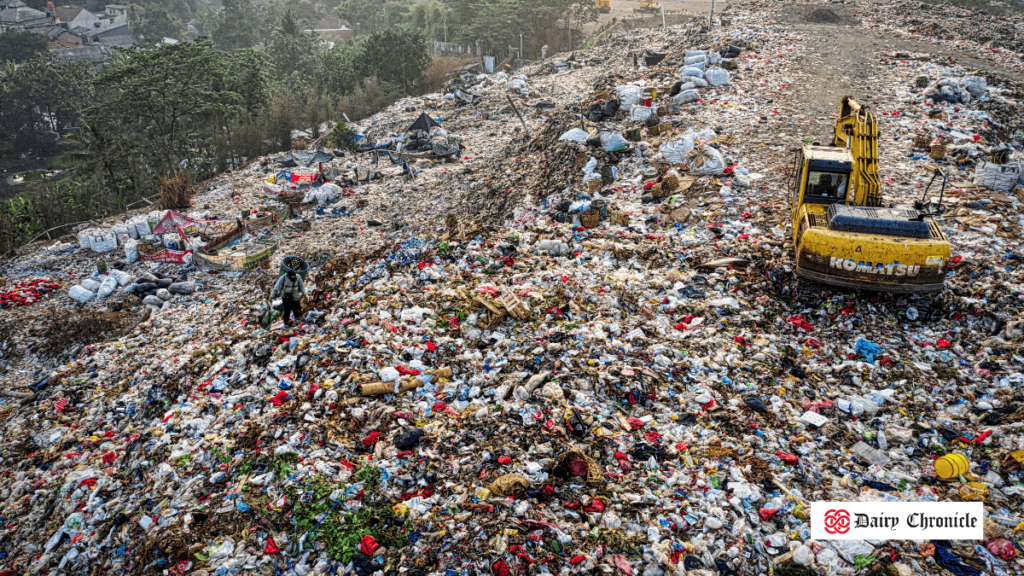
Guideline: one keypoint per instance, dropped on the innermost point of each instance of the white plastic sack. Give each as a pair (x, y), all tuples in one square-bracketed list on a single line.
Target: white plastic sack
[(686, 96), (714, 58), (90, 284), (172, 241), (333, 191), (628, 95), (676, 150), (131, 251), (695, 59), (691, 71), (142, 228), (717, 77), (317, 196), (613, 141), (690, 53), (123, 278), (107, 287), (575, 135), (997, 177), (80, 294), (976, 85), (641, 113), (101, 240), (713, 164)]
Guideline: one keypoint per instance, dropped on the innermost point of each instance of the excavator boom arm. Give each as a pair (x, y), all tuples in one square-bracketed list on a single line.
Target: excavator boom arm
[(857, 129)]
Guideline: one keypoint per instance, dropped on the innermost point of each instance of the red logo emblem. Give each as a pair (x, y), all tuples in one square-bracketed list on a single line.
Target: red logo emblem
[(837, 521)]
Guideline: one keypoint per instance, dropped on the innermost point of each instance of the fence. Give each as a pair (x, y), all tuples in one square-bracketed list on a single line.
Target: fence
[(446, 49)]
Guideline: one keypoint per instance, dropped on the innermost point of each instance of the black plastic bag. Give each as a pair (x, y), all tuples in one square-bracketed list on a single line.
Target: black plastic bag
[(755, 403), (408, 439)]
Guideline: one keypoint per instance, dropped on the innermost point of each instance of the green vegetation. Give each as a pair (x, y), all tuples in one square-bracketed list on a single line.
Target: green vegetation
[(341, 531), (17, 46)]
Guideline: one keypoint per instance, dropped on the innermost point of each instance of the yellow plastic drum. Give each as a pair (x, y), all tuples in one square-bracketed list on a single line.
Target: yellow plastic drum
[(973, 491), (952, 466)]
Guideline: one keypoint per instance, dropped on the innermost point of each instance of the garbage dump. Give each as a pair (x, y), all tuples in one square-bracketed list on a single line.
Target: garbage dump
[(554, 330)]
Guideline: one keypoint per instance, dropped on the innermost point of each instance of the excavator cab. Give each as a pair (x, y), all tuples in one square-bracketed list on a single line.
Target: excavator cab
[(842, 235)]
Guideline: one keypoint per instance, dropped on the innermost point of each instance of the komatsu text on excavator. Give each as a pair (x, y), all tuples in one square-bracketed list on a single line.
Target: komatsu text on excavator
[(843, 235)]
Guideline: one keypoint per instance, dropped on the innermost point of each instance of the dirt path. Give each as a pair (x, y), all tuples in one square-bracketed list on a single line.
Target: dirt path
[(845, 58)]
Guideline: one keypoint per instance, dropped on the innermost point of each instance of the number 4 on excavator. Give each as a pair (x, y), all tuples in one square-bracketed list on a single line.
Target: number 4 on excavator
[(842, 233)]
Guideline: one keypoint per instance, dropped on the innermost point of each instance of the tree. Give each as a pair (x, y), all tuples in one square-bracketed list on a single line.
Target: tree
[(578, 15), (42, 98), (289, 25), (249, 74), (178, 97), (427, 19), (156, 25), (296, 59), (19, 46), (235, 28), (395, 57), (364, 17), (337, 74)]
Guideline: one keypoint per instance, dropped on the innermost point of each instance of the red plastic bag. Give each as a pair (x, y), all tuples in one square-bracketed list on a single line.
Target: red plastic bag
[(787, 457), (271, 547), (368, 545)]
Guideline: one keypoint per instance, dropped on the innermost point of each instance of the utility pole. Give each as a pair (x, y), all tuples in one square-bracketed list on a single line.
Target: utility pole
[(663, 14), (711, 19)]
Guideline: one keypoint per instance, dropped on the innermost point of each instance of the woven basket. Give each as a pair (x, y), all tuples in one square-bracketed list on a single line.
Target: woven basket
[(601, 95), (921, 141), (509, 485), (670, 183), (594, 185), (590, 218), (658, 191), (633, 134), (593, 473), (938, 152), (663, 110), (581, 159), (618, 219), (654, 130)]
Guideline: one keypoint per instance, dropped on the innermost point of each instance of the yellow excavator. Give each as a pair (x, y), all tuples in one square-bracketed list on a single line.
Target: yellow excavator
[(648, 6), (843, 235), (603, 6)]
